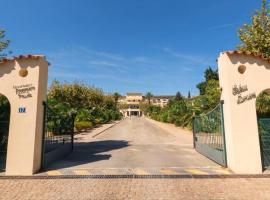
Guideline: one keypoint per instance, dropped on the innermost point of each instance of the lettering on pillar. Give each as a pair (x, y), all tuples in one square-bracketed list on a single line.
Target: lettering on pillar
[(24, 91), (239, 90)]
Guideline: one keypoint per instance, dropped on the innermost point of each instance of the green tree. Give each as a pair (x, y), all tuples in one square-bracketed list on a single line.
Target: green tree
[(209, 74), (116, 97), (255, 37), (178, 96), (263, 104), (189, 95), (90, 105), (3, 43), (149, 96)]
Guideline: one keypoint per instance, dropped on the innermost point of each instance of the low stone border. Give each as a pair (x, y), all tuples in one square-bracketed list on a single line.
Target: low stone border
[(184, 176)]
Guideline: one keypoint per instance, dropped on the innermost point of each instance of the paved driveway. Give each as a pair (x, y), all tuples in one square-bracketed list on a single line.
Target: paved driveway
[(136, 146)]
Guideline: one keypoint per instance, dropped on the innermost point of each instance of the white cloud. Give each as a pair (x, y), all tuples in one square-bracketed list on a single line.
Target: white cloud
[(104, 63), (191, 59)]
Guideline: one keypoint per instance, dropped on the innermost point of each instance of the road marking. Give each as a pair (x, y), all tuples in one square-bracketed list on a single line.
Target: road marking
[(54, 173), (135, 150), (140, 172), (196, 171), (168, 172), (222, 171), (81, 172)]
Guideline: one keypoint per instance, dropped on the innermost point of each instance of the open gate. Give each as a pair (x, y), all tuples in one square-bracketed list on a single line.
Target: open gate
[(264, 133), (209, 135), (58, 134)]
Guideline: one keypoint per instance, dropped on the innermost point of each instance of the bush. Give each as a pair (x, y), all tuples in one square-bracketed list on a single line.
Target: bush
[(83, 125), (177, 122), (90, 106)]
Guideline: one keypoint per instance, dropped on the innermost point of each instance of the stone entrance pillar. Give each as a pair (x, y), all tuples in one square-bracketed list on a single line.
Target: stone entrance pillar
[(242, 77), (23, 80)]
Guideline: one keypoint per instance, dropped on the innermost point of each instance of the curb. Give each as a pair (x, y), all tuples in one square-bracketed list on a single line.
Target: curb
[(106, 129), (184, 176)]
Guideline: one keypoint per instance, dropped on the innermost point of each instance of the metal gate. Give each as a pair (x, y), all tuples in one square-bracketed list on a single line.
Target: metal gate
[(209, 135), (58, 135), (4, 128), (264, 132)]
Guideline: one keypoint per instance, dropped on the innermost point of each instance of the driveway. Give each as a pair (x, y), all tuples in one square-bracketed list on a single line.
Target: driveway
[(136, 146)]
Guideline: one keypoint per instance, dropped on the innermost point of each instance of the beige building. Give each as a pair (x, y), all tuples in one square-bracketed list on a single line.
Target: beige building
[(132, 103), (162, 100)]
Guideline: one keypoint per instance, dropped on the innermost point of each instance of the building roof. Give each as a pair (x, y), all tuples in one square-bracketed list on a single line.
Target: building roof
[(29, 56), (164, 97), (134, 94), (248, 53)]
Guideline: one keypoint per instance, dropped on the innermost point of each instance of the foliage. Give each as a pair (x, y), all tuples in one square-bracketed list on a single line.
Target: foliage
[(4, 108), (180, 110), (263, 104), (189, 95), (83, 125), (3, 43), (149, 96), (209, 74), (178, 96), (116, 97), (88, 105), (255, 37), (76, 95), (60, 117), (4, 122)]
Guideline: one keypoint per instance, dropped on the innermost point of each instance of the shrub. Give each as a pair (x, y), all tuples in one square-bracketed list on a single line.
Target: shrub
[(83, 125)]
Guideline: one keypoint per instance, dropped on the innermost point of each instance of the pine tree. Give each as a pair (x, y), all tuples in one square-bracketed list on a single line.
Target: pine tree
[(178, 97), (149, 96), (189, 95)]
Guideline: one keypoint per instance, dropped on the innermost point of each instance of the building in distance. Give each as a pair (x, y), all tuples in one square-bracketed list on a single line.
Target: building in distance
[(130, 104)]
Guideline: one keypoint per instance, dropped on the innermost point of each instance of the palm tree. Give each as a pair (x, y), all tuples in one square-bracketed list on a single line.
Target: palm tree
[(116, 96), (149, 96)]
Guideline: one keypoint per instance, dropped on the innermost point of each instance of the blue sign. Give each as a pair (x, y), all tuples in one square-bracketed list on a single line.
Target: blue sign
[(22, 110)]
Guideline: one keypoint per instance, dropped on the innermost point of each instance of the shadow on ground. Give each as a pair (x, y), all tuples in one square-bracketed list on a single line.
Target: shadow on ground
[(84, 153)]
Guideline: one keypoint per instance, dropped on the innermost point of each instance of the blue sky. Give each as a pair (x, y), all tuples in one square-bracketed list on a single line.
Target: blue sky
[(162, 46)]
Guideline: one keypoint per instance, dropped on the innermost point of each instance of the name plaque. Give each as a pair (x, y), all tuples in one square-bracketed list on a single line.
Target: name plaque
[(24, 91), (238, 91)]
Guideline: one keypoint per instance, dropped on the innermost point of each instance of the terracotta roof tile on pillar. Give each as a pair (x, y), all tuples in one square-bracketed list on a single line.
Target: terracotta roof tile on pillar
[(248, 53), (29, 56)]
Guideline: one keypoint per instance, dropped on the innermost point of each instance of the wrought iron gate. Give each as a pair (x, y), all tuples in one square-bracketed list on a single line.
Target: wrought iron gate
[(58, 135), (4, 128), (264, 132), (209, 135)]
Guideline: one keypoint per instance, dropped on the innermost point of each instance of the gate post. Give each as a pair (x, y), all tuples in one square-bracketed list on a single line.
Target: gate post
[(223, 132), (193, 132), (23, 80), (72, 133), (242, 77), (43, 133)]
